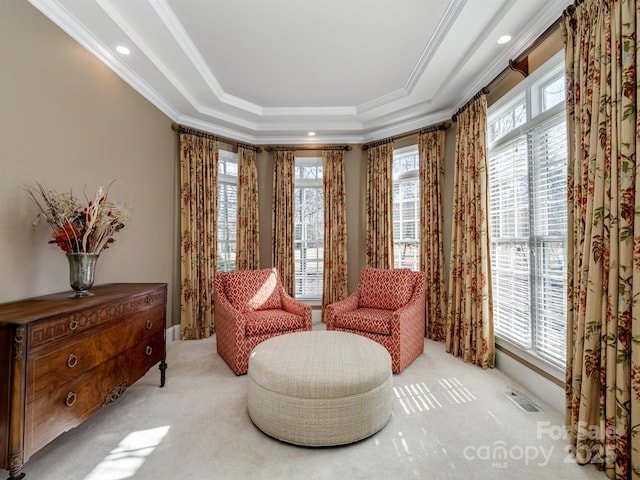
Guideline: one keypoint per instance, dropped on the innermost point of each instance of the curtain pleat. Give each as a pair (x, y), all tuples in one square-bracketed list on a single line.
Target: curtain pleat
[(431, 173), (334, 277), (469, 329), (247, 234), (379, 215), (603, 324), (283, 194), (198, 206)]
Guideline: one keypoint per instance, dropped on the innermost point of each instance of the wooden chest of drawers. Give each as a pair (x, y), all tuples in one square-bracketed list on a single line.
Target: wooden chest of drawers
[(61, 359)]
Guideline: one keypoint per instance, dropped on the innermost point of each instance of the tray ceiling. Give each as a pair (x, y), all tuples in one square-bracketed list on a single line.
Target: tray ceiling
[(267, 72)]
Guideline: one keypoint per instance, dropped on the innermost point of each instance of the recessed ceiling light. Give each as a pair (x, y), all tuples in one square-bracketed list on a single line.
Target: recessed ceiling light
[(311, 134), (123, 50), (504, 39)]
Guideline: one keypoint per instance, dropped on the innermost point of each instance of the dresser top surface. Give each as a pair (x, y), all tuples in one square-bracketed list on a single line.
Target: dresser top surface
[(35, 308)]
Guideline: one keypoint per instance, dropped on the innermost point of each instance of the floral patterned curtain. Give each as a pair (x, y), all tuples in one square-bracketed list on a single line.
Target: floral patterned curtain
[(431, 154), (379, 216), (469, 329), (198, 206), (247, 238), (603, 318), (282, 241), (334, 277)]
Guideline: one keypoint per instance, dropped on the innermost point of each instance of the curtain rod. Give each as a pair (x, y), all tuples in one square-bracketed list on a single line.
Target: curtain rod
[(572, 8), (276, 148), (521, 62), (432, 128), (199, 133), (484, 91)]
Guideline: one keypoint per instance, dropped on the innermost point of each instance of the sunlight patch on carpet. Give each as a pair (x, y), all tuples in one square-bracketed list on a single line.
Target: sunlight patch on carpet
[(125, 460), (419, 397)]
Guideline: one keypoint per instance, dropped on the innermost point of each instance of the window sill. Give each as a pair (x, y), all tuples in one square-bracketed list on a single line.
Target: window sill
[(313, 301), (539, 365)]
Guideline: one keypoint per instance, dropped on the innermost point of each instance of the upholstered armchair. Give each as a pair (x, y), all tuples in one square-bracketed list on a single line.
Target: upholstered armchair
[(250, 307), (388, 306)]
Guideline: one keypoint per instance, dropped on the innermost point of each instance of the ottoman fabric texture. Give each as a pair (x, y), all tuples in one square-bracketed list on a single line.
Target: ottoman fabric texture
[(320, 388)]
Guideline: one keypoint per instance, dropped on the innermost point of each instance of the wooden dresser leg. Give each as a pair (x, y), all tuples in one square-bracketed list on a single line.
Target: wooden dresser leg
[(163, 368)]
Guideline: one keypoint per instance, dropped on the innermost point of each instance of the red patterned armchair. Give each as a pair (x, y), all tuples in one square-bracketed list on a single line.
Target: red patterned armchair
[(389, 307), (250, 307)]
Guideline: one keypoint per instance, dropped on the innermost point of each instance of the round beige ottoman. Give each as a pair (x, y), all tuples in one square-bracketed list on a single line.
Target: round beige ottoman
[(320, 388)]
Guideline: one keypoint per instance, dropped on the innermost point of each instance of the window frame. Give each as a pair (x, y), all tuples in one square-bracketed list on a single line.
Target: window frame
[(537, 116)]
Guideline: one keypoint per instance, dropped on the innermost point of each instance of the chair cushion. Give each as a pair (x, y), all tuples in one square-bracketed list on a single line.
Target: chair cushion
[(271, 321), (366, 320), (385, 289), (251, 290)]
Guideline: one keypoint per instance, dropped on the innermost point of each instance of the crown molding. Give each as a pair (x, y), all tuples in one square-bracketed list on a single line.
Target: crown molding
[(233, 117), (448, 19)]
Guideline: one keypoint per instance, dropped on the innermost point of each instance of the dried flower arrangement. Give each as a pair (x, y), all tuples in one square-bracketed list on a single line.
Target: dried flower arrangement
[(79, 227)]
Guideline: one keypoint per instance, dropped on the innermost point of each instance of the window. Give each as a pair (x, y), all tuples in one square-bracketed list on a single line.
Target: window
[(308, 207), (227, 211), (406, 208), (528, 213)]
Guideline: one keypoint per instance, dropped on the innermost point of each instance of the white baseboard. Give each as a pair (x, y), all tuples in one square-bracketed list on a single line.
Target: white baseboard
[(173, 333)]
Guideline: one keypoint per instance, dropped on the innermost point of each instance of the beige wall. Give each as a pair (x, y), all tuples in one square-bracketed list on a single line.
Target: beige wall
[(355, 172), (264, 161), (69, 122)]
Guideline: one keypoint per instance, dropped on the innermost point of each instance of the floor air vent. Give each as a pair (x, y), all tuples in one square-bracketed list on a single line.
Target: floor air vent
[(522, 402)]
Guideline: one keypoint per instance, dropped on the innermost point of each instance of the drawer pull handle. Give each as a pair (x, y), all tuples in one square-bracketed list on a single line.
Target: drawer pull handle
[(70, 400), (148, 325), (148, 350), (73, 324), (72, 361)]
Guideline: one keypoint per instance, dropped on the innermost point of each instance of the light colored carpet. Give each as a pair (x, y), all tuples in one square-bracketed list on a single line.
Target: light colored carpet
[(450, 420)]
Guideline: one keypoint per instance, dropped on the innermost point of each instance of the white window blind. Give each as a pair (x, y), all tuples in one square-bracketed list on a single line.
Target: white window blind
[(549, 221), (528, 217), (509, 222), (308, 227), (406, 208), (227, 211)]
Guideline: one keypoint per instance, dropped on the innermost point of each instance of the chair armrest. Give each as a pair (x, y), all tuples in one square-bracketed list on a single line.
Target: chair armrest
[(292, 305), (415, 309), (342, 306), (226, 313), (227, 319), (223, 311)]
